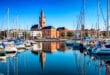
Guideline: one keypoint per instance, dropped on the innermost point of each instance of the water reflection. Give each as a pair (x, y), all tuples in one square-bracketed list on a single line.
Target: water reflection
[(42, 59), (104, 61), (55, 58), (49, 46)]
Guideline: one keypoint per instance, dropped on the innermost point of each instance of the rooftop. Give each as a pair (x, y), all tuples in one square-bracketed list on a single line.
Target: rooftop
[(48, 27)]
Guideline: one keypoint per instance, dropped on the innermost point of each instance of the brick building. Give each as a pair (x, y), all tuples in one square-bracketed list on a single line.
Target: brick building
[(49, 32)]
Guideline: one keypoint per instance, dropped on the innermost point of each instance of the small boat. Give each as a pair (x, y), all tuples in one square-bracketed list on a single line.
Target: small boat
[(27, 43), (101, 51), (22, 46), (107, 44), (3, 59), (10, 48), (11, 54), (33, 42), (2, 55), (29, 48), (2, 45)]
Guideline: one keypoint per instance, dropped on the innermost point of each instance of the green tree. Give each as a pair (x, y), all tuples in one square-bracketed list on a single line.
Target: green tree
[(63, 34), (86, 33), (3, 34), (104, 34), (70, 34)]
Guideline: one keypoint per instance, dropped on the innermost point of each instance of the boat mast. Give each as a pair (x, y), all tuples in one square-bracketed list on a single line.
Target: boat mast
[(16, 26), (98, 15), (83, 19), (13, 26), (7, 22), (107, 18), (27, 33)]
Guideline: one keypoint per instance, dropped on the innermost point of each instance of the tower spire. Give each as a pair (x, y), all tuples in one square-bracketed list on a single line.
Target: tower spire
[(42, 13), (42, 19)]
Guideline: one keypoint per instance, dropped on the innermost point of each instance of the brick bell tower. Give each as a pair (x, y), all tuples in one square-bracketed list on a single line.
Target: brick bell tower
[(42, 19)]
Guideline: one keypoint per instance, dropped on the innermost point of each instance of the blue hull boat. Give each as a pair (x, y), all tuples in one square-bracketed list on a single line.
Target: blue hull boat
[(101, 51)]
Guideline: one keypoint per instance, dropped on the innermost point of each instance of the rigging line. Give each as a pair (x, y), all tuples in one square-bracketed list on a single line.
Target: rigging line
[(107, 18), (102, 15)]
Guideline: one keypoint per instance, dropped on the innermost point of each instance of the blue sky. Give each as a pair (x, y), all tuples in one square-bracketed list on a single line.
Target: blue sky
[(57, 12)]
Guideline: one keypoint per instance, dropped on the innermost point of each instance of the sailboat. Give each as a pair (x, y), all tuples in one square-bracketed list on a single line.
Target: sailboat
[(2, 55), (105, 49)]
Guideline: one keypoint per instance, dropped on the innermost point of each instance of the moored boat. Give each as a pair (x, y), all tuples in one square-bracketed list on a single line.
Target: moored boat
[(2, 55), (10, 48), (101, 51)]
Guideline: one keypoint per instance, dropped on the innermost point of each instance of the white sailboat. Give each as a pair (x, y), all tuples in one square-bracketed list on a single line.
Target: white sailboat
[(107, 49), (10, 49)]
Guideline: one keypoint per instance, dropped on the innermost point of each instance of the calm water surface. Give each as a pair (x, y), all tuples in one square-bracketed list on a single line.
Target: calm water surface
[(55, 59)]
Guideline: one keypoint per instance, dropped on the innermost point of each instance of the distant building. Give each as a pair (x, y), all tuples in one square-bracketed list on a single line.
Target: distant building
[(16, 33), (35, 27), (36, 34), (88, 33), (63, 32), (49, 32), (36, 31), (42, 19)]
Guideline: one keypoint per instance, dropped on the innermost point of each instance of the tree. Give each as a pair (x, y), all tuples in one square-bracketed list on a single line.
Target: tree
[(70, 34), (104, 34), (26, 34), (86, 34), (3, 34), (63, 34)]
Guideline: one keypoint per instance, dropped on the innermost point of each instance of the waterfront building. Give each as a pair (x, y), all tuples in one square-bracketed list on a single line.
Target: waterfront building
[(49, 32), (17, 33), (63, 33), (36, 32)]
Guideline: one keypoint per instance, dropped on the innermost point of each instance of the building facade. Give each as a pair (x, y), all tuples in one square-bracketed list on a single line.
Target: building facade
[(36, 34), (49, 32), (64, 33)]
